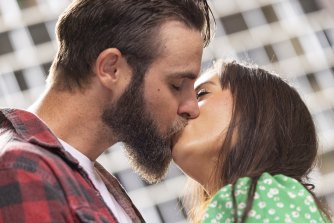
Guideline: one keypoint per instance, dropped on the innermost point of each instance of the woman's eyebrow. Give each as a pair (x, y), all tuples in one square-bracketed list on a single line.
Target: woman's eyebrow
[(204, 83)]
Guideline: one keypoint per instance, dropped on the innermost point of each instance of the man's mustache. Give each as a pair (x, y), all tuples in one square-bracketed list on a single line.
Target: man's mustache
[(178, 125)]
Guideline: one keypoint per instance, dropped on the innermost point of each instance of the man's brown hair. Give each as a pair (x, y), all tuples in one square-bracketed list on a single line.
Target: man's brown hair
[(87, 27)]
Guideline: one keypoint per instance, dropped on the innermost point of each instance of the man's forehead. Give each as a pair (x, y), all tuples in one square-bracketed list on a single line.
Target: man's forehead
[(186, 75), (175, 36)]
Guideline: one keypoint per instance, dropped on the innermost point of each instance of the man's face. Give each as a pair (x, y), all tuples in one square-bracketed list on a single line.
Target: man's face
[(147, 114)]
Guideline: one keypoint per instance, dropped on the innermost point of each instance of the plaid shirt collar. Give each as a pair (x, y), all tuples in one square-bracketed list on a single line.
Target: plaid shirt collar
[(33, 130)]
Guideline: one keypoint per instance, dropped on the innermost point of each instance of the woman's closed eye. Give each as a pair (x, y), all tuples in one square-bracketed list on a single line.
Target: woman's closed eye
[(201, 93)]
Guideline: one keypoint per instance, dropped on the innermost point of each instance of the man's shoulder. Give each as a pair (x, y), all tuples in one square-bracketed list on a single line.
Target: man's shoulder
[(19, 151), (22, 156), (22, 134), (15, 145)]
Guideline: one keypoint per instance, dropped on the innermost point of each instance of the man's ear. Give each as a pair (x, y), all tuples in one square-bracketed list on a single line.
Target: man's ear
[(111, 68)]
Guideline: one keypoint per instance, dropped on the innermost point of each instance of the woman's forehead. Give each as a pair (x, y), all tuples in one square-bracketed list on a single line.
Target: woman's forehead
[(206, 76)]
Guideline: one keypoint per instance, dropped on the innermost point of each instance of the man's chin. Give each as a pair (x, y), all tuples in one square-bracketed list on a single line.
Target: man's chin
[(151, 177), (151, 170)]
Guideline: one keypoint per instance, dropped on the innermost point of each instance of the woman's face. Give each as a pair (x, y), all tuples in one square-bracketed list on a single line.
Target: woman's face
[(196, 149)]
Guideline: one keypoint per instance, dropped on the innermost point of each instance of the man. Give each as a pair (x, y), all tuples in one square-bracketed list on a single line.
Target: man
[(124, 71)]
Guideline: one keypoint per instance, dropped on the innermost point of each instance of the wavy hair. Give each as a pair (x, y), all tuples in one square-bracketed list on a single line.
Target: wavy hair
[(87, 27), (272, 130)]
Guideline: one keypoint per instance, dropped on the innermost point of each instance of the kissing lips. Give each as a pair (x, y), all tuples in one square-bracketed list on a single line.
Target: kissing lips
[(175, 138)]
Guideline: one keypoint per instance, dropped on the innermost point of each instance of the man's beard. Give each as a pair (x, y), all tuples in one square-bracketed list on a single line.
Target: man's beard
[(149, 151)]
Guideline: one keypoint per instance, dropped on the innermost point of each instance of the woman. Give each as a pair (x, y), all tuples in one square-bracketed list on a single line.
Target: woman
[(251, 149)]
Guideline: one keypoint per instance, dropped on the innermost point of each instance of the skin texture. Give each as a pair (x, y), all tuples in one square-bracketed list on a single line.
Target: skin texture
[(160, 106), (169, 82), (167, 95), (196, 149)]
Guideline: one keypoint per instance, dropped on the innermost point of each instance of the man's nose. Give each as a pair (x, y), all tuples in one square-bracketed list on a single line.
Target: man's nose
[(189, 108)]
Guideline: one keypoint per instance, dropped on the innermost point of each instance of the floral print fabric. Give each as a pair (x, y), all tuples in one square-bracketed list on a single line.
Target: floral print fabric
[(277, 199)]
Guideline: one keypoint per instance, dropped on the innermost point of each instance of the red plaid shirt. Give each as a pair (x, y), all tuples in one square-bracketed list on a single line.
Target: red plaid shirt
[(41, 182)]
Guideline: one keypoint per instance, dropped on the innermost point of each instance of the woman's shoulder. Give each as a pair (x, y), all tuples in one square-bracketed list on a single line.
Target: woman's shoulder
[(276, 198), (270, 187)]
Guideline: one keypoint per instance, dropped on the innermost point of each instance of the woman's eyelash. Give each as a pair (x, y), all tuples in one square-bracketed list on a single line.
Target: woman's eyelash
[(201, 93)]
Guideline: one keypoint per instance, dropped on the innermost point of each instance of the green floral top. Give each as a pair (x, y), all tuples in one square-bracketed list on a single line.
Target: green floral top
[(277, 199)]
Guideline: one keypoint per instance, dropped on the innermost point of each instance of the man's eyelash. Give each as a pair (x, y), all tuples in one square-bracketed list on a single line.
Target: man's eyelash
[(175, 87)]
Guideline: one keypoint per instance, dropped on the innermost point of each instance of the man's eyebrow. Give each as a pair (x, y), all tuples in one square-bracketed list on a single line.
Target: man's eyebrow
[(204, 83), (181, 75)]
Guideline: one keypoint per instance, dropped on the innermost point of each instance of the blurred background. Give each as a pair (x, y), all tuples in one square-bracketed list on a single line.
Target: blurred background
[(291, 37)]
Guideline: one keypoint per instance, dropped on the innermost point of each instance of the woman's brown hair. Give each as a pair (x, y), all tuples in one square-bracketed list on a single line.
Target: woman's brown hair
[(274, 130)]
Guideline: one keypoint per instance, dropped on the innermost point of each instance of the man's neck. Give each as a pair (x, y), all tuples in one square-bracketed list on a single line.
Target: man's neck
[(75, 117)]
